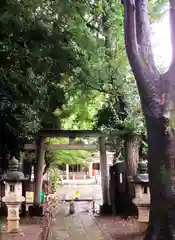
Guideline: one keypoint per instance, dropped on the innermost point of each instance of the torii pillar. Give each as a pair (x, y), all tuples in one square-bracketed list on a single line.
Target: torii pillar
[(106, 207), (39, 168)]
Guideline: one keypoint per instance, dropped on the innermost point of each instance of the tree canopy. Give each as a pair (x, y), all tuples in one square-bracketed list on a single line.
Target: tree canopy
[(36, 51), (62, 65)]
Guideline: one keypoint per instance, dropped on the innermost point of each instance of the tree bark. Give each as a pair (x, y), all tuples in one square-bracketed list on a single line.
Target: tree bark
[(157, 94), (131, 159), (161, 165)]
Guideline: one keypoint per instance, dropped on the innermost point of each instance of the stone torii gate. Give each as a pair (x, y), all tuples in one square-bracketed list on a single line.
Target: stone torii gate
[(41, 147)]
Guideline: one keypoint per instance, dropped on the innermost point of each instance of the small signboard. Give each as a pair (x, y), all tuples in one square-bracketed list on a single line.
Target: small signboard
[(29, 197)]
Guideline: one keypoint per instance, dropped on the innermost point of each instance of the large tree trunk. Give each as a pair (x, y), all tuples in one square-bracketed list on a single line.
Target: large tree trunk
[(161, 166), (157, 94)]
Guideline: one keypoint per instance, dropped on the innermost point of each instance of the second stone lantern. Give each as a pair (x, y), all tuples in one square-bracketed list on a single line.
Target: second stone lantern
[(13, 198), (142, 195)]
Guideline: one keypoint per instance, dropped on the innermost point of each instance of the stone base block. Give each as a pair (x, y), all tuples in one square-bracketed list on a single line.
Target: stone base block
[(143, 206), (13, 226), (105, 209), (143, 215), (36, 211)]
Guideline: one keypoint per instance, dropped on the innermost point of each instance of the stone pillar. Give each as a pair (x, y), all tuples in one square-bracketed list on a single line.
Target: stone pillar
[(67, 171), (90, 170), (40, 152), (105, 208)]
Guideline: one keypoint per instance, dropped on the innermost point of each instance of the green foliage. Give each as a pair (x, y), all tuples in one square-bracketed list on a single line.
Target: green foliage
[(59, 157), (62, 61), (96, 32), (157, 8), (95, 29), (35, 52), (122, 115), (54, 178), (108, 72), (80, 111), (144, 149)]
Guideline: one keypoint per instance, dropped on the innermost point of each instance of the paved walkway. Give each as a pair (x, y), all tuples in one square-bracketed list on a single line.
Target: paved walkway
[(30, 232), (83, 226), (76, 227)]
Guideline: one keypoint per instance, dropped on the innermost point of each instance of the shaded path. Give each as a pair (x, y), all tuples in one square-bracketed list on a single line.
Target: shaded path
[(76, 227), (84, 226)]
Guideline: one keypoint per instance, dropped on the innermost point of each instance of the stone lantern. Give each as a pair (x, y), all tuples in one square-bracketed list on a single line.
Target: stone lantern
[(13, 194), (142, 195)]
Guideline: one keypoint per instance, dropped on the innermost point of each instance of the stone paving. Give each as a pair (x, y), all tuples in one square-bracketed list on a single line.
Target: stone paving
[(75, 227), (30, 232), (83, 225)]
